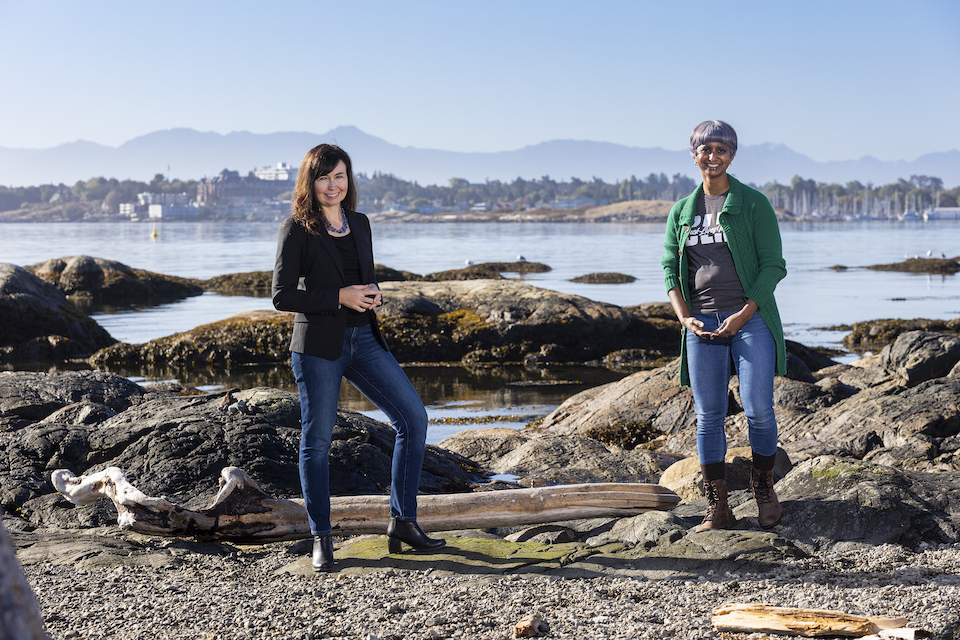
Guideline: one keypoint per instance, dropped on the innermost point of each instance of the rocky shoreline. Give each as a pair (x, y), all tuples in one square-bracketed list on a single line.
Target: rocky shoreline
[(871, 526), (869, 476)]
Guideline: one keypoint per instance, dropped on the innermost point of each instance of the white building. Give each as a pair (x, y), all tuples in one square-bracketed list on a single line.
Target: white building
[(942, 213), (146, 199), (282, 172), (171, 211)]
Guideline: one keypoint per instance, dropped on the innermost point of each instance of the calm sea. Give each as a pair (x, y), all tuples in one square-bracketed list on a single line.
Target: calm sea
[(812, 296)]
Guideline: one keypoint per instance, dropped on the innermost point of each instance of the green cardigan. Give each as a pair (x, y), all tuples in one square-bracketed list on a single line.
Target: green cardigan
[(753, 237)]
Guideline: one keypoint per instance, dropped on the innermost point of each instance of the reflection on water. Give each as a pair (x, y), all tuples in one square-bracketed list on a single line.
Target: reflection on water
[(457, 398)]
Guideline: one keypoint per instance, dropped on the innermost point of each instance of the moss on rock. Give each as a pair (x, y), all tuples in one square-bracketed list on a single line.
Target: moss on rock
[(873, 335), (628, 434)]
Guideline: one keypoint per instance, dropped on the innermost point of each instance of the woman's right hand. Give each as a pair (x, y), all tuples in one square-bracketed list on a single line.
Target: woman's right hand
[(690, 323), (360, 297)]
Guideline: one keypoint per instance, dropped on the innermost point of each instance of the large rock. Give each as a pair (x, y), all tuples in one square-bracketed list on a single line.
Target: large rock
[(251, 337), (921, 265), (485, 446), (917, 356), (904, 412), (909, 427), (509, 321), (484, 271), (652, 398), (106, 281), (873, 335), (254, 284), (39, 324), (550, 459), (829, 501), (176, 447), (29, 396), (470, 321)]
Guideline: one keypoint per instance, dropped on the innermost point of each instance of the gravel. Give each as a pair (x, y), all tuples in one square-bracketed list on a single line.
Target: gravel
[(204, 596)]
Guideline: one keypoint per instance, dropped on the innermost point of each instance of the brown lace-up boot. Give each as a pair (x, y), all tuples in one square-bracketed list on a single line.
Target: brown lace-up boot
[(719, 514), (761, 481)]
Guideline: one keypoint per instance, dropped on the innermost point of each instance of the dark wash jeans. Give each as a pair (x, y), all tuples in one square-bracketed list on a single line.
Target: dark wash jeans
[(378, 376)]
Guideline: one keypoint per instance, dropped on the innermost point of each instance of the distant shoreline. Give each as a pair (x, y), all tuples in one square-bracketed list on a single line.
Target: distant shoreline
[(639, 211)]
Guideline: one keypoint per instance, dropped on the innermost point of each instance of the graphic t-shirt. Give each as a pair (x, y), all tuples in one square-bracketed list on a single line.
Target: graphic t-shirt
[(714, 285)]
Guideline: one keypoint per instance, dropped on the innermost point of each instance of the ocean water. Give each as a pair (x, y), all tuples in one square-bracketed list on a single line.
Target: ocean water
[(812, 296)]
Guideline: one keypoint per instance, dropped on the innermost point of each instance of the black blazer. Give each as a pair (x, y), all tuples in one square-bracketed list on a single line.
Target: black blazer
[(307, 278)]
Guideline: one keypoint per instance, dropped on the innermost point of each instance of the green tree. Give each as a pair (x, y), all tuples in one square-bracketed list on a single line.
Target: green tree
[(112, 201)]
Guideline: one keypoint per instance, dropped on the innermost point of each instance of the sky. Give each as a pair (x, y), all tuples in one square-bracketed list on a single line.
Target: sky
[(834, 80)]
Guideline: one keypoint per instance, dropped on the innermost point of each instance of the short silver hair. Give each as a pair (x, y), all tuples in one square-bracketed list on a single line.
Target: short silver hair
[(713, 131)]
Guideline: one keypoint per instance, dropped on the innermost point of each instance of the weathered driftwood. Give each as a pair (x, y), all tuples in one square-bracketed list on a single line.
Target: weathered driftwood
[(799, 622), (241, 511), (20, 617)]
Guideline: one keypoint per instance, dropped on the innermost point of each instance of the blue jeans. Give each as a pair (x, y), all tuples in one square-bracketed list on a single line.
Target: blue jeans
[(754, 355), (378, 376)]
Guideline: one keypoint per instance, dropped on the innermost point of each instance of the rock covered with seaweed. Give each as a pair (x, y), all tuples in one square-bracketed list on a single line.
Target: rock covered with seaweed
[(470, 321)]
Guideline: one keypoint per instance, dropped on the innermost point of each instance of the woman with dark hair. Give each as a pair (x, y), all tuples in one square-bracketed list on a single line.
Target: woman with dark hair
[(324, 272), (722, 263)]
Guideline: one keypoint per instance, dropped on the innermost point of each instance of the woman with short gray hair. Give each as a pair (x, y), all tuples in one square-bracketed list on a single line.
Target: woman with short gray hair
[(722, 263)]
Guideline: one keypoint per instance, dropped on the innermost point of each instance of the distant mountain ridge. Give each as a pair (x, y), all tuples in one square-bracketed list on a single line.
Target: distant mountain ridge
[(190, 154)]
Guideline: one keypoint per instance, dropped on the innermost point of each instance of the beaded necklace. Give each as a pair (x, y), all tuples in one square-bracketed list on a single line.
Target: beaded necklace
[(330, 227)]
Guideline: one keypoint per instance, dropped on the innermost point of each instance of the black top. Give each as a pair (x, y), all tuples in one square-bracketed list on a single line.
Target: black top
[(347, 248)]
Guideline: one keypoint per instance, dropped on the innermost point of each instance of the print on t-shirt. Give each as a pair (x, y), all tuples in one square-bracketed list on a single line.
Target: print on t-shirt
[(706, 230)]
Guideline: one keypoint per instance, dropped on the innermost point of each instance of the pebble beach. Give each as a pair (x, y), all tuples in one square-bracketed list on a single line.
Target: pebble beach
[(253, 594)]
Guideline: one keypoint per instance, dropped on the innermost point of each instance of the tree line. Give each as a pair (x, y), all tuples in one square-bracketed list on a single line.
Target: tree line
[(381, 190), (101, 194)]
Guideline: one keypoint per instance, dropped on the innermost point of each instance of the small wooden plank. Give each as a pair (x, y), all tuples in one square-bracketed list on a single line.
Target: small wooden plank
[(800, 622)]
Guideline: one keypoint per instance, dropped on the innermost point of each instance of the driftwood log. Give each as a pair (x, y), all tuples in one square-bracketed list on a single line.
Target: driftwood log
[(746, 618), (243, 512), (20, 617)]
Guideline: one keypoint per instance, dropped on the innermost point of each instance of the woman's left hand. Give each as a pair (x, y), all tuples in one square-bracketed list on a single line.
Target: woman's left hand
[(361, 297), (375, 294)]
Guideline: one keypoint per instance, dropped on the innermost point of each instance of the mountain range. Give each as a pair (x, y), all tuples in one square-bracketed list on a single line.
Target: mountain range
[(189, 154)]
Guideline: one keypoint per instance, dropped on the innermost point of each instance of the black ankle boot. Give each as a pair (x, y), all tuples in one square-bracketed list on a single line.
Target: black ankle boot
[(322, 553), (409, 531)]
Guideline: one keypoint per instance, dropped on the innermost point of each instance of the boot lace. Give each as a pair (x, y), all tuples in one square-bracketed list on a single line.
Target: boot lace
[(761, 489), (713, 498)]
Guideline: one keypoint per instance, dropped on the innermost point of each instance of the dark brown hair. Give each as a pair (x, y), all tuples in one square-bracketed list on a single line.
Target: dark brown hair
[(319, 161)]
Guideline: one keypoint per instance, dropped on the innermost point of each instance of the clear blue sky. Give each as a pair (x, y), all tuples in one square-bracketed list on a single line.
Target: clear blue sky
[(834, 79)]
